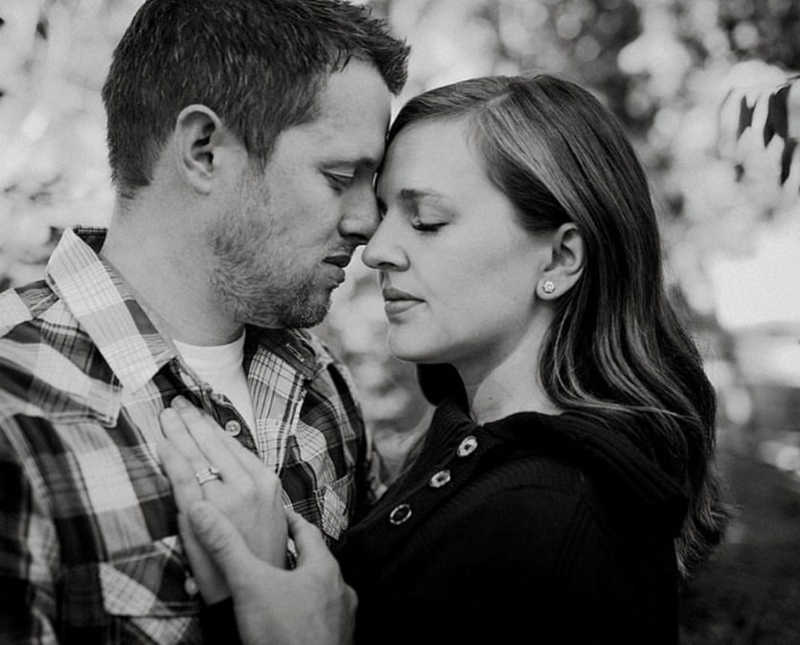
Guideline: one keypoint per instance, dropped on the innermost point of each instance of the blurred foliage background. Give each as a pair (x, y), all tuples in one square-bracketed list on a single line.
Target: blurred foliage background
[(707, 89)]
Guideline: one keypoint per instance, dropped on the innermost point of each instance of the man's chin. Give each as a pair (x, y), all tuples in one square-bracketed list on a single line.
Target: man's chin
[(299, 315)]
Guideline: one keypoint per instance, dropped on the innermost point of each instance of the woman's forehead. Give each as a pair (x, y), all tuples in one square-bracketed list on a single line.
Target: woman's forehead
[(431, 147)]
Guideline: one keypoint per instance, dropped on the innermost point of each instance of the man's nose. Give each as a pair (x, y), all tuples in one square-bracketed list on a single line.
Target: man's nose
[(361, 217)]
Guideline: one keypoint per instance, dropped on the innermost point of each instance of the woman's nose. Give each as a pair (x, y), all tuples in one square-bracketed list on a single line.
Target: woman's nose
[(384, 250)]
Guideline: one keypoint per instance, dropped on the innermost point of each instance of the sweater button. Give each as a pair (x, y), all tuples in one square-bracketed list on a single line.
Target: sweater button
[(233, 428), (440, 479), (190, 586), (400, 514), (467, 446)]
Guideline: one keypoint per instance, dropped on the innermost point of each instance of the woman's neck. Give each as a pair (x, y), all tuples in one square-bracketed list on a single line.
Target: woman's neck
[(503, 387), (495, 399)]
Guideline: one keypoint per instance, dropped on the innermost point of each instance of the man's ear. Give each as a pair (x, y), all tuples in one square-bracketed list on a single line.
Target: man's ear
[(199, 134), (566, 264)]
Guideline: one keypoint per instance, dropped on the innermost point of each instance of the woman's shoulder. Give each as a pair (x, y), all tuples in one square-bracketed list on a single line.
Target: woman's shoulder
[(600, 458), (545, 478), (470, 475), (534, 501), (530, 480), (570, 456)]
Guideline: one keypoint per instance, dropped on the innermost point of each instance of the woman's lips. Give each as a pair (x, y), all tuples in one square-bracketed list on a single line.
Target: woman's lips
[(398, 301), (395, 307)]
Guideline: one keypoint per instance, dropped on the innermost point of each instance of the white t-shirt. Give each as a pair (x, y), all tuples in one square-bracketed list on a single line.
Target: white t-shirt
[(221, 367)]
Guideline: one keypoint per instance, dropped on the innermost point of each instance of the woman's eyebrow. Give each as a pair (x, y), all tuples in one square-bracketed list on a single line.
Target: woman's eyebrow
[(411, 198), (416, 195)]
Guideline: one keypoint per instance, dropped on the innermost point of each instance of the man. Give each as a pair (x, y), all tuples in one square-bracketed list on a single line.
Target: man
[(243, 139)]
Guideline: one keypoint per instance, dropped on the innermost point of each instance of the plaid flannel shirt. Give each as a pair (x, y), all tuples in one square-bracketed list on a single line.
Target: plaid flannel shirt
[(89, 551)]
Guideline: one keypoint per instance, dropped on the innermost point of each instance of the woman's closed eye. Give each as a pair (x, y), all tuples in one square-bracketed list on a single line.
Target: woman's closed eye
[(426, 220), (427, 227)]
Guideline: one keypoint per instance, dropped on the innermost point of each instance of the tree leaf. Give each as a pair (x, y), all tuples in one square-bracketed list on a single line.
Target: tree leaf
[(745, 116), (777, 121)]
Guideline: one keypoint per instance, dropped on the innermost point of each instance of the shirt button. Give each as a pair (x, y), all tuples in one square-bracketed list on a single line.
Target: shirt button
[(440, 479), (400, 514), (233, 427), (190, 586), (467, 446)]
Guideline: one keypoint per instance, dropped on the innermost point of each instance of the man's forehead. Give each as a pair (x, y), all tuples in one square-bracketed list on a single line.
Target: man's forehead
[(361, 117), (363, 144), (350, 119)]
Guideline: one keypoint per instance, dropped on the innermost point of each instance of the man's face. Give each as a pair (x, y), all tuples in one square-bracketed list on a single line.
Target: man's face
[(281, 249)]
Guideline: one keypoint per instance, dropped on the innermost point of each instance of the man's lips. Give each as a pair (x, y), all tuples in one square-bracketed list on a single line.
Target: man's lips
[(341, 260)]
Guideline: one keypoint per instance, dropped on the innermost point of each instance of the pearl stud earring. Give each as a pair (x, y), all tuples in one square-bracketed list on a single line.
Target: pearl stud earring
[(548, 287)]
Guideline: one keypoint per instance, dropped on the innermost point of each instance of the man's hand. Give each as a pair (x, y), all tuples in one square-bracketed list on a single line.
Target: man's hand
[(310, 605)]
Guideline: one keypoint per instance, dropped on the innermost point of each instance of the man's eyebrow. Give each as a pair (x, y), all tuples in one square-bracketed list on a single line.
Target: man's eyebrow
[(370, 163)]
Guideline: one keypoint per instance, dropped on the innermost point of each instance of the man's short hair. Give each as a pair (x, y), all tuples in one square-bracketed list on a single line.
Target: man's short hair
[(259, 64)]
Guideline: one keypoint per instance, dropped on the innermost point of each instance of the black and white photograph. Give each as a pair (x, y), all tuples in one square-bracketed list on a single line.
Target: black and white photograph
[(383, 322)]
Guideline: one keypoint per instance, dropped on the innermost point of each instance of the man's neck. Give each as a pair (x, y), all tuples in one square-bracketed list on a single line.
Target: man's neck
[(168, 273)]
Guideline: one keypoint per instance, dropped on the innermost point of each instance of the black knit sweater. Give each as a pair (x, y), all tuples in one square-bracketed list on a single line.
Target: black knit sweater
[(548, 528)]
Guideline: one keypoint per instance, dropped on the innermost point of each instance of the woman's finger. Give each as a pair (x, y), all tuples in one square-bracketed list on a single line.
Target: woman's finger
[(213, 440), (202, 440), (248, 461), (228, 455), (207, 575), (176, 432), (249, 493), (226, 547), (307, 538), (181, 475)]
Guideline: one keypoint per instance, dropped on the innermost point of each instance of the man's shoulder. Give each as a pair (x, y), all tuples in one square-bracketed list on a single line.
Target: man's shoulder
[(25, 305), (45, 357), (32, 317)]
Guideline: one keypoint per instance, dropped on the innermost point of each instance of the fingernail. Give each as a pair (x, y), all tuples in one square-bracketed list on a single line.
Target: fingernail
[(179, 402)]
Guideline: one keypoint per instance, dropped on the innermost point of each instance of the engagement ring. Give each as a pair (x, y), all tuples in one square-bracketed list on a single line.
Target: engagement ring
[(207, 475)]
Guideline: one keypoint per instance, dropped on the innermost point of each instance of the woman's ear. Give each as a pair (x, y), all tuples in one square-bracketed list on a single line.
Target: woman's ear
[(566, 265)]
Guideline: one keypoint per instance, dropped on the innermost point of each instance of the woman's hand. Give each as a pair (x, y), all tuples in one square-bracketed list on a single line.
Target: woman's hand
[(310, 605), (246, 492)]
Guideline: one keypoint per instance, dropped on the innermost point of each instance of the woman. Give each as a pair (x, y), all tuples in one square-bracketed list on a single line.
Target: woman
[(565, 483)]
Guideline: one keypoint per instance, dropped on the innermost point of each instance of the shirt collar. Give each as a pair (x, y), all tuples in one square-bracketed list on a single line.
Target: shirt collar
[(300, 349), (106, 308)]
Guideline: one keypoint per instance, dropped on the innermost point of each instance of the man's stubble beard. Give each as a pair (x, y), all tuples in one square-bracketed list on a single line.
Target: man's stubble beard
[(253, 276)]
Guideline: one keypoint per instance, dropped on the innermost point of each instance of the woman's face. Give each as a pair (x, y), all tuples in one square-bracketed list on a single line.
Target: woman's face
[(457, 270)]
